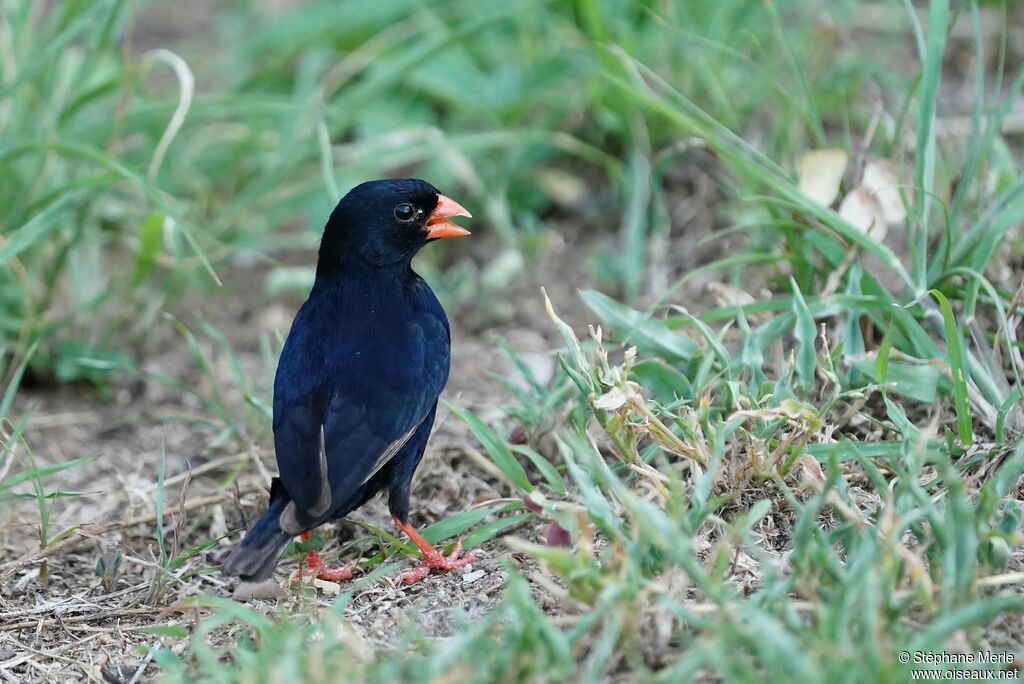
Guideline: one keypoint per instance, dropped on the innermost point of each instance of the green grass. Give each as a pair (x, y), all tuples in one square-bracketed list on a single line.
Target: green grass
[(794, 485), (14, 450)]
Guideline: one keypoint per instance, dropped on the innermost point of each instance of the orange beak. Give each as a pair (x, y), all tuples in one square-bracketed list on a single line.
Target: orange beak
[(438, 225)]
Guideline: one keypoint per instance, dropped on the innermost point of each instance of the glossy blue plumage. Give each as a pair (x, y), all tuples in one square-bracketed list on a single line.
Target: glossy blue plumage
[(358, 380), (366, 361)]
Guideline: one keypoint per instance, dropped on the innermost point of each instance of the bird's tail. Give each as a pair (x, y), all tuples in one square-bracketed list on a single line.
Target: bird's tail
[(256, 557)]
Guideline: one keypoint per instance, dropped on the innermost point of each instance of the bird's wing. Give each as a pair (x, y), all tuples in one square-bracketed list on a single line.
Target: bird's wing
[(387, 395), (299, 442), (339, 420)]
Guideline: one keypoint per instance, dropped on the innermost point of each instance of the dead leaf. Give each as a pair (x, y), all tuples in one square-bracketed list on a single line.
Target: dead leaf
[(617, 396), (612, 400), (329, 588), (821, 172), (218, 524), (558, 535), (730, 295), (881, 181), (810, 468), (566, 189), (533, 504), (863, 211)]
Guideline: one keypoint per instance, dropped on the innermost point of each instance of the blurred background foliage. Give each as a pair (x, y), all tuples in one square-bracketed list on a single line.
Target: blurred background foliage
[(132, 174)]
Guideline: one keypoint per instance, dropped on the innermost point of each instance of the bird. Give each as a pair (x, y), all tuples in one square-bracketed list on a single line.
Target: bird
[(358, 380)]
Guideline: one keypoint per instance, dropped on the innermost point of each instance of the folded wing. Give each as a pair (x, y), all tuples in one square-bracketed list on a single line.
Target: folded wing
[(369, 396)]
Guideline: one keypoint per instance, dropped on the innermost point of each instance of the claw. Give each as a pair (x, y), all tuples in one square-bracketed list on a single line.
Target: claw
[(323, 572), (432, 558), (314, 566)]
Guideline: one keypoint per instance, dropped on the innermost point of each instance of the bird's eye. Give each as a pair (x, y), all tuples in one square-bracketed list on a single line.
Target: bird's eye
[(405, 212)]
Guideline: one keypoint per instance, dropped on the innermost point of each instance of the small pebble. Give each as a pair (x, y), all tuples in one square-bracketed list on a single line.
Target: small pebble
[(267, 589), (330, 588), (471, 577)]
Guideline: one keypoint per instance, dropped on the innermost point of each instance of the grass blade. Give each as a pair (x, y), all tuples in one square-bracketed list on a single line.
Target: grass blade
[(958, 371)]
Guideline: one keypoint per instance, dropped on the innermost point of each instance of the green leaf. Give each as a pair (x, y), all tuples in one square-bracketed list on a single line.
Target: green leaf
[(931, 54), (150, 235), (899, 418), (35, 230), (301, 548), (15, 380), (882, 359), (577, 366), (634, 327), (160, 494), (76, 360), (751, 356), (176, 631), (460, 522), (43, 471), (919, 381), (976, 613), (635, 223), (492, 529), (549, 471), (190, 552), (711, 338), (805, 333), (848, 449), (958, 371), (289, 279), (495, 447), (94, 154), (665, 382)]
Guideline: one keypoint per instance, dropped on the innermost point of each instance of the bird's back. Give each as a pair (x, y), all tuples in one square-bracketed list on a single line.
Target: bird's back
[(362, 367)]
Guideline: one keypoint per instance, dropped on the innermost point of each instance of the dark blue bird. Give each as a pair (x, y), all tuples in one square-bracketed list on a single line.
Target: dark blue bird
[(359, 377)]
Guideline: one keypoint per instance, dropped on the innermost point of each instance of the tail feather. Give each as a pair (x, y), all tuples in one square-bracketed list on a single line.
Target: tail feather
[(255, 559)]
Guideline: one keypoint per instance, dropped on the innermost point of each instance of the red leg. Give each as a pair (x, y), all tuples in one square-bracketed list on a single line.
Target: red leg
[(315, 566), (432, 558)]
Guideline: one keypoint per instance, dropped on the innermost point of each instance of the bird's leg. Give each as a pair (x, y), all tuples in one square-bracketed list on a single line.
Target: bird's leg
[(313, 559), (315, 566), (432, 558)]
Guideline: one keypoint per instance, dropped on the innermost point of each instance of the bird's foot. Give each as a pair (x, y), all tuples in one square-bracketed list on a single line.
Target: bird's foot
[(432, 558), (313, 566), (323, 572), (435, 560)]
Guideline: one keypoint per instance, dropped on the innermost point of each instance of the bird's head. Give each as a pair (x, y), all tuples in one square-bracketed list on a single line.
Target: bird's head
[(385, 222)]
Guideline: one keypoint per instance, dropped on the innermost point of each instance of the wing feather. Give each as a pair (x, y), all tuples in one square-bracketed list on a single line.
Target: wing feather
[(343, 409)]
